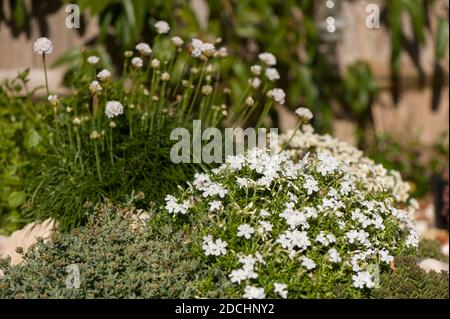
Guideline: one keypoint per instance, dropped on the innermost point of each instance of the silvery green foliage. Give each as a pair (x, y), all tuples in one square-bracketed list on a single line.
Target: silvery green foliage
[(271, 223)]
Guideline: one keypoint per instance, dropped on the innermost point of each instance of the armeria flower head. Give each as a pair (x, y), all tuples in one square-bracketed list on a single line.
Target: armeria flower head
[(304, 113), (93, 60), (113, 109), (177, 41), (104, 75), (162, 27), (277, 95), (43, 46), (144, 49), (272, 74), (268, 58), (137, 62), (95, 88)]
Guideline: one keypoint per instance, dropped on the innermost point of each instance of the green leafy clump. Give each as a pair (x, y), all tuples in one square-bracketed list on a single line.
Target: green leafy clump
[(410, 281), (115, 260), (21, 136)]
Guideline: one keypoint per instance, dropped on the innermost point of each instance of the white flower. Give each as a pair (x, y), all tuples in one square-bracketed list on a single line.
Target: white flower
[(215, 206), (173, 207), (93, 60), (94, 135), (252, 292), (325, 239), (264, 213), (137, 62), (53, 99), (277, 95), (104, 75), (384, 256), (327, 163), (245, 231), (265, 227), (144, 49), (256, 70), (177, 41), (198, 47), (237, 276), (308, 263), (221, 53), (291, 239), (268, 58), (255, 83), (304, 113), (207, 89), (333, 256), (281, 289), (162, 27), (272, 74), (95, 87), (214, 248), (113, 109), (155, 63), (43, 46), (362, 279), (76, 121), (310, 185), (249, 101)]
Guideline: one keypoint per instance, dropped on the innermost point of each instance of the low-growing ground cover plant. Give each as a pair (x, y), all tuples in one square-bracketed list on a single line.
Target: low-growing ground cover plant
[(285, 228)]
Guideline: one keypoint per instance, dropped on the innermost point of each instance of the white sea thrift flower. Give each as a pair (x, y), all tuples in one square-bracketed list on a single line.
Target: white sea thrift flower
[(173, 207), (221, 53), (162, 27), (165, 77), (207, 90), (93, 60), (249, 101), (304, 113), (277, 95), (255, 83), (113, 109), (104, 75), (333, 256), (53, 99), (199, 48), (43, 46), (272, 74), (76, 121), (256, 70), (95, 88), (268, 58), (281, 290), (308, 263), (252, 292), (245, 231), (214, 248), (177, 41), (137, 62), (94, 135), (155, 63), (144, 49)]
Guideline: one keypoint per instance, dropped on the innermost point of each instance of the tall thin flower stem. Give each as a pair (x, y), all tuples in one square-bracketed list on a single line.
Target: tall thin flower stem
[(45, 73), (264, 114), (292, 136), (97, 161)]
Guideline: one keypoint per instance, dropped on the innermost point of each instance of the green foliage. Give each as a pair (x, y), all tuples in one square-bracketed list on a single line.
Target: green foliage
[(410, 281), (116, 260), (404, 157), (21, 135), (431, 249)]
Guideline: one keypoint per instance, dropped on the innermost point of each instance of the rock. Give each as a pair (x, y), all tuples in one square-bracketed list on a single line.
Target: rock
[(444, 249), (24, 238), (440, 235), (430, 264)]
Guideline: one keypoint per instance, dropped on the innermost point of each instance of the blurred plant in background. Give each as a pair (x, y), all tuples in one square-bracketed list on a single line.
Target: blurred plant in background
[(21, 135)]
